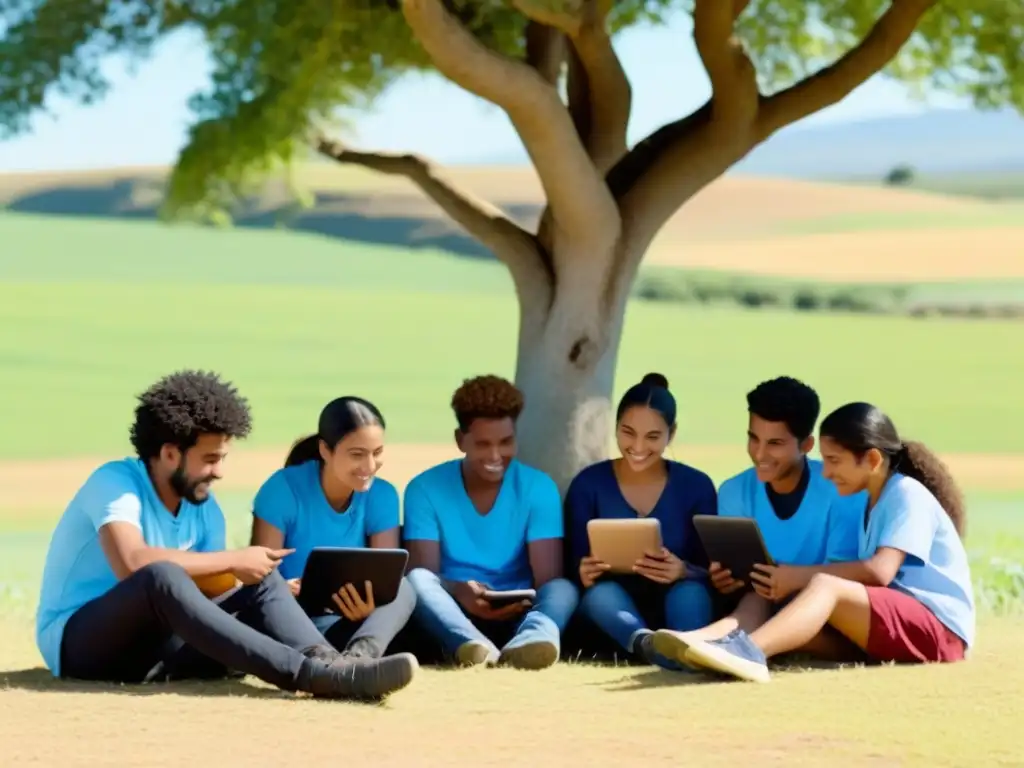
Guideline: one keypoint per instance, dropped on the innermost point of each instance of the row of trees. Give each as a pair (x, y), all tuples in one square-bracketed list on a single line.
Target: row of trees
[(283, 68)]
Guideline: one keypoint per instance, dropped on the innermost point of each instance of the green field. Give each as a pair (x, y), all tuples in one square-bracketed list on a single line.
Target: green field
[(92, 312)]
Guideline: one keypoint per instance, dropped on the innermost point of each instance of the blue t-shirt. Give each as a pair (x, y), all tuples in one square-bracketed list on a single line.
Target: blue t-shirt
[(595, 493), (824, 529), (77, 571), (292, 500), (490, 548), (935, 571)]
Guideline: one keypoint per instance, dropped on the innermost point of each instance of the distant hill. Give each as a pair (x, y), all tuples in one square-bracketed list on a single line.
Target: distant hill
[(937, 142)]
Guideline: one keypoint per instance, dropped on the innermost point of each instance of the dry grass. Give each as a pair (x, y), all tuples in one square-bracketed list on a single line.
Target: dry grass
[(571, 715), (33, 485)]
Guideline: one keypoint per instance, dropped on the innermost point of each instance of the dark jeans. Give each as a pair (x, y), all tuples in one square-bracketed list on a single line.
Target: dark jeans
[(158, 617), (379, 628)]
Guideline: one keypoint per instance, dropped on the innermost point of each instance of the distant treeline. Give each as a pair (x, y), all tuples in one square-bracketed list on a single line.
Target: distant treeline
[(980, 300)]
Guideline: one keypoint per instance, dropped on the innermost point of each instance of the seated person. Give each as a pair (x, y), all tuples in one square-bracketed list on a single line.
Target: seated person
[(906, 598), (487, 521), (120, 600), (803, 519), (328, 495), (669, 588)]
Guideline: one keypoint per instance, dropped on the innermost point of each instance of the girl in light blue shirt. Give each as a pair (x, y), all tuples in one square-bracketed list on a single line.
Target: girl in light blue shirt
[(328, 495), (906, 598)]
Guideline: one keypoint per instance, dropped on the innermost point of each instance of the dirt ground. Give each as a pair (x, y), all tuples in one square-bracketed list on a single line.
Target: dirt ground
[(571, 715), (32, 485)]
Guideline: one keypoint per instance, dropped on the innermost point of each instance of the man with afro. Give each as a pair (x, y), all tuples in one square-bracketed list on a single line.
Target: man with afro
[(488, 523), (803, 519), (121, 595)]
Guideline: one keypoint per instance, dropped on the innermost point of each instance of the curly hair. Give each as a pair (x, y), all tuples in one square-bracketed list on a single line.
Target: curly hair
[(182, 406), (787, 400), (859, 427), (486, 397)]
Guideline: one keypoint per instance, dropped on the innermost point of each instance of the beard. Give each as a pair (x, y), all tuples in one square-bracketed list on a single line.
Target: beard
[(187, 487)]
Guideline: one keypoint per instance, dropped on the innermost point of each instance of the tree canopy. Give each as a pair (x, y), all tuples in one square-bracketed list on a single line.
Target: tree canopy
[(284, 68)]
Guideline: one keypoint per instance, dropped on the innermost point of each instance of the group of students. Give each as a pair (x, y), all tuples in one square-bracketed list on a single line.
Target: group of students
[(869, 562)]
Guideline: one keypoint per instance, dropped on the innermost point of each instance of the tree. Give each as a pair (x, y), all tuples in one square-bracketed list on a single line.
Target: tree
[(283, 68)]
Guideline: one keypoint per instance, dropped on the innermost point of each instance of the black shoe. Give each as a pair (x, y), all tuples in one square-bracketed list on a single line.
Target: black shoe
[(346, 677)]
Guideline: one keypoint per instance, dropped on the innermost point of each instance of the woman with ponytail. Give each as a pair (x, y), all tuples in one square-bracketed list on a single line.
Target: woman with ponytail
[(328, 495), (908, 598), (668, 588)]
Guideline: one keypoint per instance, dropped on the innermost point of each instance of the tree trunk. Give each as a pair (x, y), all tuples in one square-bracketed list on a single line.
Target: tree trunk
[(567, 379)]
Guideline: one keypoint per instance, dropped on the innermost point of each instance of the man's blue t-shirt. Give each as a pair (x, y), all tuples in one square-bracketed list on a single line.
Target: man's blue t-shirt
[(77, 571), (935, 570), (490, 548), (823, 529), (595, 493), (292, 500)]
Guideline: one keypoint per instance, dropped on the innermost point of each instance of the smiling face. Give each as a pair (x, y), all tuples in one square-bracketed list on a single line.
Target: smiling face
[(643, 436), (192, 472), (357, 458), (490, 446), (850, 473), (774, 451)]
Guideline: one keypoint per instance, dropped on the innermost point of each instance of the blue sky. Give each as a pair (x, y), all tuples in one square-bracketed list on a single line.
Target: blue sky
[(143, 120)]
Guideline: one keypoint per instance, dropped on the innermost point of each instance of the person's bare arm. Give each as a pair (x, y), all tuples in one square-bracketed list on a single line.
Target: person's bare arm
[(127, 552), (390, 540), (424, 553), (545, 560), (266, 535), (877, 571)]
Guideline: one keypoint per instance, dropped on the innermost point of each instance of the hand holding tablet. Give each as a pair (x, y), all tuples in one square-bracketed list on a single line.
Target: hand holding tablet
[(734, 546), (331, 574)]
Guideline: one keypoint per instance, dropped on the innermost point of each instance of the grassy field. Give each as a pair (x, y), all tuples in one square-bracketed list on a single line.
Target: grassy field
[(91, 312)]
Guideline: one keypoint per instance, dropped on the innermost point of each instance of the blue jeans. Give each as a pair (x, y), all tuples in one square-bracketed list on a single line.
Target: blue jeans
[(444, 620), (610, 606), (379, 628)]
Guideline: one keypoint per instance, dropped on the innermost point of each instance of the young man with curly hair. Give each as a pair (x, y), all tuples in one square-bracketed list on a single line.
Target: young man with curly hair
[(488, 522), (121, 598), (803, 519)]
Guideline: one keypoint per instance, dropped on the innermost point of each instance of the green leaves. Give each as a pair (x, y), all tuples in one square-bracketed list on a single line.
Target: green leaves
[(284, 70)]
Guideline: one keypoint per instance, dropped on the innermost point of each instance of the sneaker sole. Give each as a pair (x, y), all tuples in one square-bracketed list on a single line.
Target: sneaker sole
[(531, 656), (475, 655), (720, 660), (674, 648)]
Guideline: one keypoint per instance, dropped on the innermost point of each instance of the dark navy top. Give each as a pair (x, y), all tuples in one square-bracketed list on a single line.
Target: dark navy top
[(595, 493)]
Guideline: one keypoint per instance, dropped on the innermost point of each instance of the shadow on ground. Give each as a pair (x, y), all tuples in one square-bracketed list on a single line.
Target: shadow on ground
[(39, 680), (405, 221)]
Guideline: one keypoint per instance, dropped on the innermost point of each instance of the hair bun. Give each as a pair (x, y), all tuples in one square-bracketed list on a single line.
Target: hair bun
[(655, 380)]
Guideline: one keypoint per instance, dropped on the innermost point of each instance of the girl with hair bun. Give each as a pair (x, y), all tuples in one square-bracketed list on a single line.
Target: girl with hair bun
[(906, 598), (328, 495), (667, 588)]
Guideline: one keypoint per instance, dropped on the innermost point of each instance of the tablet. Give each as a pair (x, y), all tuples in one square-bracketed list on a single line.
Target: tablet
[(620, 542), (328, 569), (501, 598), (735, 542)]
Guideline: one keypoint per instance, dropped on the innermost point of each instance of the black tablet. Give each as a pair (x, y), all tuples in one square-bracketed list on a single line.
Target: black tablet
[(735, 542), (499, 599), (328, 569)]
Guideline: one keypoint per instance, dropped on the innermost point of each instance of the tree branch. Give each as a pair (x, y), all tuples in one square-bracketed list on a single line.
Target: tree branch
[(832, 84), (545, 51), (600, 97), (510, 243), (680, 159), (581, 205)]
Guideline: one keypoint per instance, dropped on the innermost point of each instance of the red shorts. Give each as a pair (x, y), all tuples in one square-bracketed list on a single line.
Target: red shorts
[(904, 630)]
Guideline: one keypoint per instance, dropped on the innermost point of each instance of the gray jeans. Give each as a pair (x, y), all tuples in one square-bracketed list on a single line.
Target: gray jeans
[(379, 628)]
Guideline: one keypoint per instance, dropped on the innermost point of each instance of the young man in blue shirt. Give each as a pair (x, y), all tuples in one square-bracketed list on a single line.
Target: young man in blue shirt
[(803, 519), (488, 522), (121, 598)]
